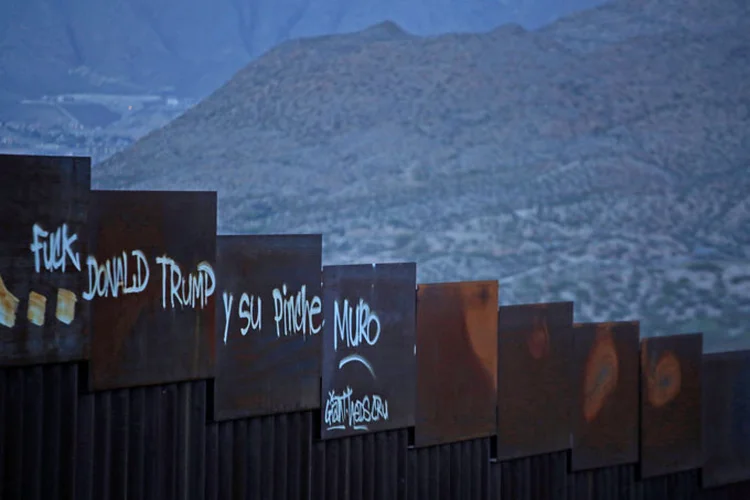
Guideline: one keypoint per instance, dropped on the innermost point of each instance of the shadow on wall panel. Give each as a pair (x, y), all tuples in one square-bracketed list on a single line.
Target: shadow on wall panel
[(369, 370), (152, 284), (268, 323), (534, 356), (456, 362), (670, 404), (605, 404), (44, 210), (726, 418)]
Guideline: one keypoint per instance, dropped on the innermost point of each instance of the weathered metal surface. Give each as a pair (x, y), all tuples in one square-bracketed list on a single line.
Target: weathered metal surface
[(155, 443), (146, 442), (152, 287), (369, 367), (671, 404), (364, 466), (262, 457), (451, 471), (605, 410), (456, 362), (726, 418), (43, 213), (38, 431), (535, 351), (268, 323)]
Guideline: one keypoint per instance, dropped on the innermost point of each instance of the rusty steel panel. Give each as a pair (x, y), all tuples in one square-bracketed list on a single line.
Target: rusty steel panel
[(456, 362), (368, 370), (606, 401), (44, 211), (535, 350), (268, 321), (151, 283), (671, 404), (726, 418)]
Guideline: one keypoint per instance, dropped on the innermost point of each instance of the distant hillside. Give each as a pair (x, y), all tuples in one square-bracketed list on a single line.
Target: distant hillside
[(603, 159), (193, 46)]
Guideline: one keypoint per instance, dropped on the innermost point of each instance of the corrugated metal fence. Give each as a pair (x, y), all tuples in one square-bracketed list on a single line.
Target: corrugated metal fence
[(156, 443)]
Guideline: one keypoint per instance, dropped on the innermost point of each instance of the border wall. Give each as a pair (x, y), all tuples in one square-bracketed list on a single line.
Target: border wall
[(144, 357)]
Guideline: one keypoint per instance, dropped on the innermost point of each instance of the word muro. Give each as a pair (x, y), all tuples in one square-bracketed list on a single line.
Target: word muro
[(354, 325), (342, 410)]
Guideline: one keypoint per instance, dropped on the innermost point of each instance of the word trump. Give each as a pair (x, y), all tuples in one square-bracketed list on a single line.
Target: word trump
[(186, 291), (353, 326), (54, 249), (342, 410)]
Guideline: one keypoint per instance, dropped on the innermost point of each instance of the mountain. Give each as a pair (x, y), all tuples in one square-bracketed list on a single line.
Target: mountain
[(603, 159), (190, 47)]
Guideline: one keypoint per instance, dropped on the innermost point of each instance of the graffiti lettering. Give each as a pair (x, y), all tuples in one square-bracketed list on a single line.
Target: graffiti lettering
[(196, 288), (249, 309), (342, 410), (54, 249), (353, 327), (246, 312), (109, 278), (295, 314)]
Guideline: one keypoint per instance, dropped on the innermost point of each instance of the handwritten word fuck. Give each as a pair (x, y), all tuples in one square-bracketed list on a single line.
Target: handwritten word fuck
[(54, 249)]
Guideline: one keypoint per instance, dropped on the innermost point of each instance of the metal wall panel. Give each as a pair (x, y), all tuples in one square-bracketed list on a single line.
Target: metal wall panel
[(605, 410), (456, 362), (268, 322), (726, 414), (153, 313), (670, 427), (43, 214), (369, 348), (535, 351)]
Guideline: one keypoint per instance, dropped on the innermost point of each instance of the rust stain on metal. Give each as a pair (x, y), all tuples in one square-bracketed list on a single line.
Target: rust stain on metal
[(726, 413), (663, 379), (601, 372), (44, 204), (268, 323), (670, 404), (456, 361), (605, 413), (151, 286), (534, 356), (368, 372)]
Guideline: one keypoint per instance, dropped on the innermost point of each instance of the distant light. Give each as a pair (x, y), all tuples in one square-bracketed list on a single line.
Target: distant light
[(130, 107)]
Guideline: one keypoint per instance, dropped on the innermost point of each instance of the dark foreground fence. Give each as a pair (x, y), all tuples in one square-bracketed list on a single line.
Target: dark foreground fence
[(142, 356)]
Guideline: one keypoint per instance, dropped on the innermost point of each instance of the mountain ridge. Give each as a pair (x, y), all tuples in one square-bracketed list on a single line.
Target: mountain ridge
[(568, 166), (190, 47)]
